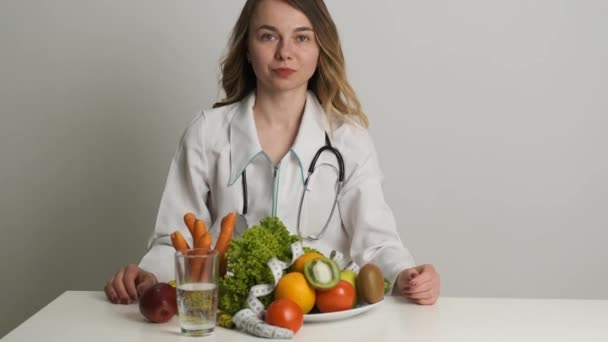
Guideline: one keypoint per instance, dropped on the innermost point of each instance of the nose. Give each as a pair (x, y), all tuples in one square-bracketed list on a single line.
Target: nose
[(284, 50)]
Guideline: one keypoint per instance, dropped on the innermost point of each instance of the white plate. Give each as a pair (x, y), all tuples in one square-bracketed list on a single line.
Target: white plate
[(333, 316)]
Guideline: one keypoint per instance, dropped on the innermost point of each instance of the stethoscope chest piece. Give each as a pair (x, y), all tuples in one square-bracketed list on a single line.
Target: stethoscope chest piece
[(241, 225)]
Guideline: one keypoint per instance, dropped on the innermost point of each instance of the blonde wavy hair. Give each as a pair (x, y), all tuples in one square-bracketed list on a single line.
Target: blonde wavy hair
[(328, 83)]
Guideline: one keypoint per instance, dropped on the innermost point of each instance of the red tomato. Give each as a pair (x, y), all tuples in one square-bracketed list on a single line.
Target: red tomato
[(285, 313), (338, 298)]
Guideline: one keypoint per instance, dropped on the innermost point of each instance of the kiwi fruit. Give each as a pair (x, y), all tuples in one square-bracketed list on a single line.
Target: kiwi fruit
[(322, 274), (370, 284)]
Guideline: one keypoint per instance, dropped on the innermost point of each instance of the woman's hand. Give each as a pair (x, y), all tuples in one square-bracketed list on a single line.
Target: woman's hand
[(419, 284), (128, 284)]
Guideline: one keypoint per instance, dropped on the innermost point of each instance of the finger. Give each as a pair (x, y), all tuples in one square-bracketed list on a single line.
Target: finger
[(131, 272), (428, 286), (425, 268), (406, 276), (120, 287), (420, 295), (422, 278), (412, 273), (110, 292), (429, 297), (144, 281)]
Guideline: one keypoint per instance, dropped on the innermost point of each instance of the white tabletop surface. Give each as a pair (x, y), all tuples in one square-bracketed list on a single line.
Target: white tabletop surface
[(89, 317)]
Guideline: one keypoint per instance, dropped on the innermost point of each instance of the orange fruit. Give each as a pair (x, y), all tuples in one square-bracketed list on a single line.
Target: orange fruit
[(293, 286), (298, 265)]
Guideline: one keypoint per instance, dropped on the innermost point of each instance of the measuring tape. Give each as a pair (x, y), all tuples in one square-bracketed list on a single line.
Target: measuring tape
[(249, 322), (250, 319), (276, 267)]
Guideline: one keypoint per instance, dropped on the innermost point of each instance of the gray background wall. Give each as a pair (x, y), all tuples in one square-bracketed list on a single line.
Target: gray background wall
[(490, 118)]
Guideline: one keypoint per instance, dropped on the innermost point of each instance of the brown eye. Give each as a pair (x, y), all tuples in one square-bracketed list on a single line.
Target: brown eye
[(302, 38), (267, 36)]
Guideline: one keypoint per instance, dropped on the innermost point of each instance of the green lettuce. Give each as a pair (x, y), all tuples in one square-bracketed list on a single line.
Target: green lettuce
[(248, 256)]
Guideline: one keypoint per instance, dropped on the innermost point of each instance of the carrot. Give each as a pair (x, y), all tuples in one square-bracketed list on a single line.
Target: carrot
[(189, 219), (200, 229), (179, 242), (226, 231), (203, 241), (221, 246), (196, 270)]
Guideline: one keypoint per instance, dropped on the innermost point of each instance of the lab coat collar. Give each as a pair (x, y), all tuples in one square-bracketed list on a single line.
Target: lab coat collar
[(311, 135), (245, 145), (244, 142)]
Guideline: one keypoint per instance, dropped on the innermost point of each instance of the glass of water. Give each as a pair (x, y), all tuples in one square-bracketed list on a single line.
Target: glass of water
[(196, 275)]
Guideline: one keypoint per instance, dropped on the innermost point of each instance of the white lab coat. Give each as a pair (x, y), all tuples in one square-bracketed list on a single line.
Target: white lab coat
[(205, 178)]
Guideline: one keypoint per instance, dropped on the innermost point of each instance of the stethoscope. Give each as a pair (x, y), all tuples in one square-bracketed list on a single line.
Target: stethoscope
[(242, 222)]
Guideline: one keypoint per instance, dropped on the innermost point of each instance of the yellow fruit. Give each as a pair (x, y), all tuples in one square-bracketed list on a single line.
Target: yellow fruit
[(298, 265), (350, 277), (293, 286)]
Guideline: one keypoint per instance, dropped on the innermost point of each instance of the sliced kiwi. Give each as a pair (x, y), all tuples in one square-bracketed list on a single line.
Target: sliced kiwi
[(322, 274)]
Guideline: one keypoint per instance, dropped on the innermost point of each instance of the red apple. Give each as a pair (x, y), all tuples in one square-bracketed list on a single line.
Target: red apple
[(159, 303)]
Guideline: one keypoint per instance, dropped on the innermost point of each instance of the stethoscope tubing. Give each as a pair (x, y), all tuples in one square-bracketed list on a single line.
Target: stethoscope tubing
[(311, 170)]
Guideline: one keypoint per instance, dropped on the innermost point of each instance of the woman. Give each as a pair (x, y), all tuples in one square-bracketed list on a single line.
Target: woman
[(286, 97)]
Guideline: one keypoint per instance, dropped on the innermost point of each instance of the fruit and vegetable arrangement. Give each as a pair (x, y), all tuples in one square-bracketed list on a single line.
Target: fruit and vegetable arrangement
[(269, 281)]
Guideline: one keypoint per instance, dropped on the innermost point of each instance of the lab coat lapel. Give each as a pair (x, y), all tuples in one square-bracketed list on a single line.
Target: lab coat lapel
[(244, 143), (311, 135)]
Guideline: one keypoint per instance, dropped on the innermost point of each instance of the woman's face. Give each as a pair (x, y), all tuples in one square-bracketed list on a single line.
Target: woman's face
[(282, 47)]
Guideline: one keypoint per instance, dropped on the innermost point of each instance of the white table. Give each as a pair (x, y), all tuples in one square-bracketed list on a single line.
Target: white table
[(87, 316)]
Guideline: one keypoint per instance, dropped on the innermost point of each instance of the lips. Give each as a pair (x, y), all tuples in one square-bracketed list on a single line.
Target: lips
[(283, 72)]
